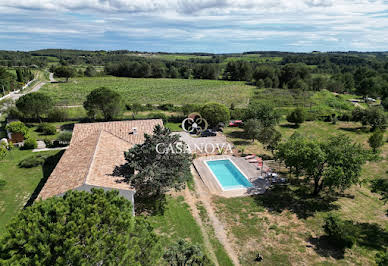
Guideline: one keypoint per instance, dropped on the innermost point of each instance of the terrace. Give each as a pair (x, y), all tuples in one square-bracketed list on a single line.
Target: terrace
[(249, 170)]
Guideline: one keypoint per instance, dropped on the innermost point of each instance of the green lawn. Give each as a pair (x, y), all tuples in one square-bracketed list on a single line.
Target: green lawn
[(286, 227), (21, 182), (153, 91)]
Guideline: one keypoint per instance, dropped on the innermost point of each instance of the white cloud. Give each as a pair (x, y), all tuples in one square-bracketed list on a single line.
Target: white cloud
[(358, 24)]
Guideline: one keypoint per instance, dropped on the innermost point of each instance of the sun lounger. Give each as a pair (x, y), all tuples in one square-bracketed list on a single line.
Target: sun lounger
[(250, 157), (254, 161)]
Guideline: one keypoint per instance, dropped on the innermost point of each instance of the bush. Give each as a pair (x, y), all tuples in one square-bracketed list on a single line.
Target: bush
[(47, 129), (191, 108), (166, 107), (14, 113), (48, 142), (18, 127), (65, 137), (58, 115), (175, 119), (32, 161), (346, 117), (215, 113), (30, 144), (2, 183), (341, 233), (158, 115), (237, 113)]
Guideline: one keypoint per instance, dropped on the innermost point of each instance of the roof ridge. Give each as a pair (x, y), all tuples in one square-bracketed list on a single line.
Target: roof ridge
[(93, 156), (114, 135)]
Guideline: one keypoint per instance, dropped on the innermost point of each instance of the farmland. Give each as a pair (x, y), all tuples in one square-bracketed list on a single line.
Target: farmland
[(153, 91)]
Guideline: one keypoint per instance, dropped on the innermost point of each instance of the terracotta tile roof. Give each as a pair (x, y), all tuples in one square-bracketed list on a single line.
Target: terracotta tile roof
[(95, 150)]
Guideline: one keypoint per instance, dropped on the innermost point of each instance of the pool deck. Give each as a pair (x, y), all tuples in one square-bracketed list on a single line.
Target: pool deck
[(248, 169)]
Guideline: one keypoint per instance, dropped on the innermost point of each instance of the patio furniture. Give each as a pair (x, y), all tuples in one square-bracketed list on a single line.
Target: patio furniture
[(250, 157)]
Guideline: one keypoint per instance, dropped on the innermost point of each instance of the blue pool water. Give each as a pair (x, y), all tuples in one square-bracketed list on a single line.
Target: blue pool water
[(228, 175)]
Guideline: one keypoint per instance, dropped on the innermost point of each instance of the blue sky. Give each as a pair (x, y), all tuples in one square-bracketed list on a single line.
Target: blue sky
[(216, 26)]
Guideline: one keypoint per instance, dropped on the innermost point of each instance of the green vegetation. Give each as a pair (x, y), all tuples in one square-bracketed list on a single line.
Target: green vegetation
[(215, 113), (152, 91), (185, 253), (169, 170), (34, 105), (21, 183), (105, 102), (92, 228), (176, 222)]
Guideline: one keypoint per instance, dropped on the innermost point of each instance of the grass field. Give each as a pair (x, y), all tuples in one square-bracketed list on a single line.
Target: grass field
[(154, 91), (21, 182), (286, 227)]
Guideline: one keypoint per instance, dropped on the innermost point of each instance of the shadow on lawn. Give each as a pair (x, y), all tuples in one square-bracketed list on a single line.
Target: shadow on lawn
[(47, 168), (355, 129), (369, 236), (297, 199)]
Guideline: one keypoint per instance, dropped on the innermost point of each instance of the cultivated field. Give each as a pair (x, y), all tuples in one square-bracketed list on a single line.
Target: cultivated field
[(153, 91)]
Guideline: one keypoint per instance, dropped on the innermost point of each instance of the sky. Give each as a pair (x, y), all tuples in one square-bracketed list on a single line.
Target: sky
[(215, 26)]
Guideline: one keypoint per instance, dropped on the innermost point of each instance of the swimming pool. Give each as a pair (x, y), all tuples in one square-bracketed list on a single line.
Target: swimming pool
[(228, 175)]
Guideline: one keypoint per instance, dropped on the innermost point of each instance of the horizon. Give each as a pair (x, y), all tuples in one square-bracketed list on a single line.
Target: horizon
[(195, 52), (182, 26)]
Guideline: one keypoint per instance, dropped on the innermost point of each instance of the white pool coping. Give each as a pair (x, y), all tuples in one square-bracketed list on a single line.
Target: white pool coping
[(218, 182)]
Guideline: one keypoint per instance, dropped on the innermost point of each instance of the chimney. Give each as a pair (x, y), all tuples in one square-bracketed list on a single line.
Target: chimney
[(134, 130)]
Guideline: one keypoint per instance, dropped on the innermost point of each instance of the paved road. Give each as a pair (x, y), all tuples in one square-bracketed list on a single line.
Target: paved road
[(16, 95)]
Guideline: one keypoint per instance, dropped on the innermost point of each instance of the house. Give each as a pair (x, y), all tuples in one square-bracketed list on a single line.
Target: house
[(94, 152)]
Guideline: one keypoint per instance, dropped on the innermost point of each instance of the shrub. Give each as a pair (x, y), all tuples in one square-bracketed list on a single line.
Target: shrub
[(345, 117), (237, 113), (14, 113), (32, 161), (166, 107), (30, 144), (48, 142), (65, 137), (2, 183), (215, 113), (296, 116), (191, 108), (18, 127), (175, 119), (58, 115), (341, 233), (158, 115), (47, 129), (376, 140)]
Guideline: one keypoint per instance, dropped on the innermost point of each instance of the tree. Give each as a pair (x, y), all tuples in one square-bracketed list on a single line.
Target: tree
[(296, 117), (336, 163), (340, 233), (80, 228), (270, 138), (35, 105), (375, 117), (215, 113), (90, 72), (104, 101), (264, 112), (157, 165), (64, 72), (252, 129), (376, 140), (183, 253), (384, 103)]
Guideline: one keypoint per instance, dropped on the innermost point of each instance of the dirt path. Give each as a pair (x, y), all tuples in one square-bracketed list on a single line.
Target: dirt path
[(192, 201), (203, 196)]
